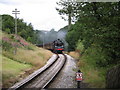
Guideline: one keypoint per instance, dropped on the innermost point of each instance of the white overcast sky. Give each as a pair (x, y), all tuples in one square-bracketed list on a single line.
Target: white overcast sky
[(41, 13)]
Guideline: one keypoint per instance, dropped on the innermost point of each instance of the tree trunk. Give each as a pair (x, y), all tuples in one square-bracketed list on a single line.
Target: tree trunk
[(69, 21)]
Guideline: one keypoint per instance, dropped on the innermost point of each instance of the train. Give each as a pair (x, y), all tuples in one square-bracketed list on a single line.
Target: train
[(56, 46)]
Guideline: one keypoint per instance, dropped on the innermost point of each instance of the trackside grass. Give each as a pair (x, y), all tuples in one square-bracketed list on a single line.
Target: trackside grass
[(24, 60), (74, 54), (92, 75), (28, 58), (11, 69)]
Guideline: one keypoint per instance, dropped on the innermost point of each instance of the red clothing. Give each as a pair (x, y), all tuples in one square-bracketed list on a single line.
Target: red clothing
[(79, 76)]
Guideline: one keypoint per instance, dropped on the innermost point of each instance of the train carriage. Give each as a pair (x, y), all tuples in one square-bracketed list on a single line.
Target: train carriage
[(56, 46)]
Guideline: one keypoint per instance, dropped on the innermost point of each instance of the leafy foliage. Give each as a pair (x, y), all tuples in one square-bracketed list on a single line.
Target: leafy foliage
[(6, 46), (97, 25), (24, 30), (69, 8)]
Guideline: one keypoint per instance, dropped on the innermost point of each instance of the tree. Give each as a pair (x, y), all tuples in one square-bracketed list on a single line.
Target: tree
[(100, 27), (69, 9), (7, 23), (24, 30)]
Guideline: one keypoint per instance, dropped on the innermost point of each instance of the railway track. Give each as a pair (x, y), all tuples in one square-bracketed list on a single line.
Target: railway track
[(42, 77)]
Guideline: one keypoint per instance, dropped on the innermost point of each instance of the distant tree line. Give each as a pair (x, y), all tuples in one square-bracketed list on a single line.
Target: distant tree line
[(25, 30), (97, 24)]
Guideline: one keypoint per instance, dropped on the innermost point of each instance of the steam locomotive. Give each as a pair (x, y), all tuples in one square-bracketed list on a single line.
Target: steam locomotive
[(56, 46)]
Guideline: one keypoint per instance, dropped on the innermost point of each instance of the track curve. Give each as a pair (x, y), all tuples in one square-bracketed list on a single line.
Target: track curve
[(42, 79)]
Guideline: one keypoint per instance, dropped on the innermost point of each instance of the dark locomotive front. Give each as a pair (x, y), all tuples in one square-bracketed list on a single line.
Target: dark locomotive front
[(58, 46)]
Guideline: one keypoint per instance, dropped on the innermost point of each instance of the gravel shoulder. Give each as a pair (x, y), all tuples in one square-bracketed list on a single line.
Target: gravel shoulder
[(66, 77)]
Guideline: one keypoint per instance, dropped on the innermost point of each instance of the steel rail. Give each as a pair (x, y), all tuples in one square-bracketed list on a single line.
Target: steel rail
[(57, 63), (35, 74), (65, 58)]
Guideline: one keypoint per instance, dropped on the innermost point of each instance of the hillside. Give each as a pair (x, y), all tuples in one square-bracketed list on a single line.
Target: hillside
[(17, 64)]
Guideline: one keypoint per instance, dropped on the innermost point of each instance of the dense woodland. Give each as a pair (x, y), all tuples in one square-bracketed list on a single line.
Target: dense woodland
[(25, 30), (97, 25)]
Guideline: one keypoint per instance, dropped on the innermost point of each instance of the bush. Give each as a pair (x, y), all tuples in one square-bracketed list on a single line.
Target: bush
[(30, 48), (6, 46), (80, 46), (94, 74), (7, 30), (12, 36)]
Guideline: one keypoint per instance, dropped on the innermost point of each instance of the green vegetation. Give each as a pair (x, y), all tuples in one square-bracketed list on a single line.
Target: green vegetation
[(95, 35), (12, 68), (93, 74), (25, 31), (28, 58)]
